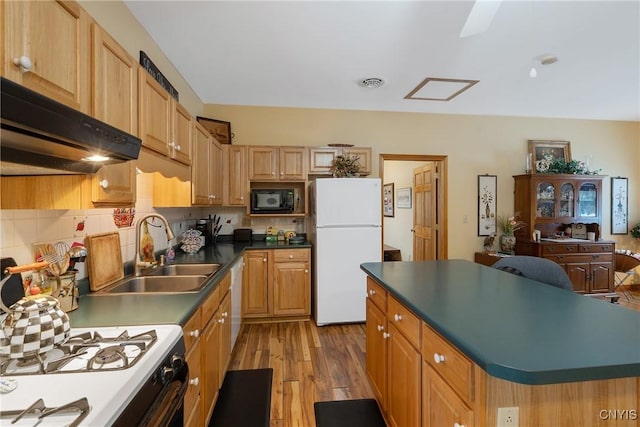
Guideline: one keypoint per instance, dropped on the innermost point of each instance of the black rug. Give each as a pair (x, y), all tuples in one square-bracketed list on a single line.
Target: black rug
[(244, 399), (348, 413)]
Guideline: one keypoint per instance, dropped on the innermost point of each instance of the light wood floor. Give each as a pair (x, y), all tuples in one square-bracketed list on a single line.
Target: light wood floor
[(313, 363), (309, 364)]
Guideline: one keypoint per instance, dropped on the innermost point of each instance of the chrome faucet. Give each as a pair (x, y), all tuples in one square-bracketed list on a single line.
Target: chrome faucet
[(138, 263)]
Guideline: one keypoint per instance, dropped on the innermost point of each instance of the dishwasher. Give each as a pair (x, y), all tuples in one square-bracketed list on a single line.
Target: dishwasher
[(236, 299)]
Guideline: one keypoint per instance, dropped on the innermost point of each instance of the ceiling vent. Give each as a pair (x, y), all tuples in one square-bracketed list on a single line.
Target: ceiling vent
[(372, 82)]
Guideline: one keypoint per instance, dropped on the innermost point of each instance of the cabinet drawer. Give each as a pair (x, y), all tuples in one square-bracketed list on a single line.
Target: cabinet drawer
[(596, 247), (284, 255), (452, 365), (559, 249), (377, 294), (404, 320), (192, 329), (586, 258), (209, 306)]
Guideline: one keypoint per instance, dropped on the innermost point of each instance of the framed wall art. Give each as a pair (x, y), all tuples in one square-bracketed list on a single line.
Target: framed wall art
[(487, 186), (387, 199), (403, 198), (543, 152), (619, 205), (220, 130)]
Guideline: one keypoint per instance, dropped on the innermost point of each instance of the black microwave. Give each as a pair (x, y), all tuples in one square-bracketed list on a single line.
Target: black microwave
[(272, 201)]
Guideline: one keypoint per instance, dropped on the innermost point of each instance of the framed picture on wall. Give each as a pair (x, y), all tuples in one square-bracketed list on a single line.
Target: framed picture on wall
[(487, 186), (544, 152), (619, 205), (218, 129), (403, 198), (387, 200)]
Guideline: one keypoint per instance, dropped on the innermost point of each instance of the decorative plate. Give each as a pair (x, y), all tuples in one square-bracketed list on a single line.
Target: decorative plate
[(192, 241)]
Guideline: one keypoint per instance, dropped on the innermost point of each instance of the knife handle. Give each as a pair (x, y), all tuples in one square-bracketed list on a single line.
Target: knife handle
[(27, 267)]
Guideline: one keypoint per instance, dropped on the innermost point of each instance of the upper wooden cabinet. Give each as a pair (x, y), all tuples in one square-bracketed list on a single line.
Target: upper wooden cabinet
[(206, 169), (321, 159), (114, 185), (114, 82), (277, 163), (236, 193), (165, 125), (549, 202), (46, 48)]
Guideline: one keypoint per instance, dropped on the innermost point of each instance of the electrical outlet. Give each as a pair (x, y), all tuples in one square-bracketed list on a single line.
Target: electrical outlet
[(508, 417)]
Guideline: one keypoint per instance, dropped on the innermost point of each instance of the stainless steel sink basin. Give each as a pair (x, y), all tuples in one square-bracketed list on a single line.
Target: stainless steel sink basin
[(157, 284), (182, 270)]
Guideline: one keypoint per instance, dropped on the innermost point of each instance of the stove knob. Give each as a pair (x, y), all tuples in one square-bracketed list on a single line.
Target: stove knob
[(177, 361), (166, 374)]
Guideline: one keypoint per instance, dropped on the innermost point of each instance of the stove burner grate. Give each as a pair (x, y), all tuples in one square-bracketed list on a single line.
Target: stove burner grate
[(39, 410)]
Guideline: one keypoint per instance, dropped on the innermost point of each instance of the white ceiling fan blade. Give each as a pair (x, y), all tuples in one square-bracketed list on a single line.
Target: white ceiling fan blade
[(480, 17)]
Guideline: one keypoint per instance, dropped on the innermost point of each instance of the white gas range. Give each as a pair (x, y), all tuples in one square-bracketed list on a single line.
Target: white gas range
[(100, 376)]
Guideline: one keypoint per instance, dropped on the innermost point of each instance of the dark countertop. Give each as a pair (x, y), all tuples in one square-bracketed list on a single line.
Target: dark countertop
[(515, 328), (142, 309)]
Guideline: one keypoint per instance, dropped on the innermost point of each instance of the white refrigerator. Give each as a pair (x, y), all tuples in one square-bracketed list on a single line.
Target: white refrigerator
[(345, 230)]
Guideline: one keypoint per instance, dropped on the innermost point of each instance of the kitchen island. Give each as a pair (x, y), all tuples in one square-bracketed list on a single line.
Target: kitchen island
[(562, 358)]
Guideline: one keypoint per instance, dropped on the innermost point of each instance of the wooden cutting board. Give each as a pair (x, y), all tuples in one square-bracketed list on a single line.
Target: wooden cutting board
[(104, 259)]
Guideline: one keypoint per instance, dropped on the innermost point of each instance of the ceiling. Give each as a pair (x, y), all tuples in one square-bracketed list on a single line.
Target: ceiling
[(313, 54)]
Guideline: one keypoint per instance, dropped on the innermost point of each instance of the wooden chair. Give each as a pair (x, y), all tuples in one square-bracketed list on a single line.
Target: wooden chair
[(625, 264)]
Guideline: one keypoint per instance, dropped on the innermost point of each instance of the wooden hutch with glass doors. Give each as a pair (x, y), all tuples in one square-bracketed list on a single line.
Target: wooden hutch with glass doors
[(566, 209)]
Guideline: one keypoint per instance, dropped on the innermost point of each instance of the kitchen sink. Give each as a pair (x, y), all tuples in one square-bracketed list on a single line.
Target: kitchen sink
[(157, 284), (182, 270)]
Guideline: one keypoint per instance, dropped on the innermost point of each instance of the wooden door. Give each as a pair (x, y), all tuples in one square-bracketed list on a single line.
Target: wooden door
[(578, 273), (291, 289), (601, 274), (236, 163), (441, 405), (293, 163), (115, 82), (154, 114), (114, 184), (180, 145), (376, 352), (225, 335), (255, 296), (404, 381), (425, 213), (321, 160), (263, 162), (215, 173), (364, 158), (210, 367), (200, 166), (54, 36)]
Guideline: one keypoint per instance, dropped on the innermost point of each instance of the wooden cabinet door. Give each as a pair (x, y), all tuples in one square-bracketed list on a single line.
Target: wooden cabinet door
[(364, 158), (182, 129), (441, 406), (236, 164), (225, 335), (293, 163), (404, 381), (216, 178), (200, 166), (263, 163), (601, 274), (376, 351), (114, 184), (114, 82), (255, 278), (321, 160), (192, 401), (291, 289), (210, 367), (154, 114), (54, 36), (578, 273)]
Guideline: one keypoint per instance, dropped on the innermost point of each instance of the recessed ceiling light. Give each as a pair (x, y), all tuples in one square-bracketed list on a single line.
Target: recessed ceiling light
[(371, 82)]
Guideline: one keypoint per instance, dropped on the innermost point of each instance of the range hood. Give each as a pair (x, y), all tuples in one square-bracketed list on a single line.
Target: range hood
[(40, 136)]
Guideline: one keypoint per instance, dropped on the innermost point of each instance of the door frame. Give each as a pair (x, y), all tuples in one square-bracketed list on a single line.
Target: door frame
[(442, 185)]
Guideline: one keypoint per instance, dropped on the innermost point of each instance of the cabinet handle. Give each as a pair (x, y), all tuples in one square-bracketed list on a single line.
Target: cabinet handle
[(306, 271), (595, 256), (172, 144), (386, 335), (380, 328), (221, 320), (104, 184), (195, 333), (241, 197), (397, 317), (264, 260), (225, 314), (372, 292), (290, 256), (194, 381), (24, 62), (178, 147), (458, 425), (438, 358)]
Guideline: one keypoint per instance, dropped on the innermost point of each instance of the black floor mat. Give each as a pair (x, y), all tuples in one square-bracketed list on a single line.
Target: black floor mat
[(348, 413), (244, 399)]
